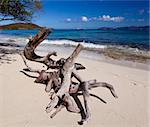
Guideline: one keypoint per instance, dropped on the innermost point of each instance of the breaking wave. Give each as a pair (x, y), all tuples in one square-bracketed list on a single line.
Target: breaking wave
[(74, 43)]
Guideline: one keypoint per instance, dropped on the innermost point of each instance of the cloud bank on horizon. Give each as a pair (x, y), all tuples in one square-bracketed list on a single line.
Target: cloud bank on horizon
[(99, 18)]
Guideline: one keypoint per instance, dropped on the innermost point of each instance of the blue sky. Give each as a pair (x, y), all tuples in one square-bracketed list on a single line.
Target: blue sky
[(92, 14)]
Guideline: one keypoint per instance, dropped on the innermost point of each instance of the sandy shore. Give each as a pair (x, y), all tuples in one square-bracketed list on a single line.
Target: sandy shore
[(22, 102)]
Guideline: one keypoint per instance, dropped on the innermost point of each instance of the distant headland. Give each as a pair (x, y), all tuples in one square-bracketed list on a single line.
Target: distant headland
[(20, 26), (126, 28)]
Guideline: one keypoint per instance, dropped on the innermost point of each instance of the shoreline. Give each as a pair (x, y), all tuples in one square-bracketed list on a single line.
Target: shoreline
[(94, 55), (119, 55), (86, 53)]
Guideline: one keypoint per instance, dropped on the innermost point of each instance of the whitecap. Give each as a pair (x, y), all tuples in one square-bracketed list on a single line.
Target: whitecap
[(73, 43)]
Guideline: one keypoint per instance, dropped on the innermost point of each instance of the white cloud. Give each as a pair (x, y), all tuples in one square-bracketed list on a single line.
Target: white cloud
[(100, 18), (68, 20), (84, 19), (105, 18), (117, 19), (109, 18)]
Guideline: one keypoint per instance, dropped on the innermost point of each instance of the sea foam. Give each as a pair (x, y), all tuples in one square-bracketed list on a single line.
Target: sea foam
[(65, 42), (73, 43)]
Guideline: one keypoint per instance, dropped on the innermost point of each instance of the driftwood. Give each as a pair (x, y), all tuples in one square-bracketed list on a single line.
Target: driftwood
[(29, 52), (74, 90), (63, 90)]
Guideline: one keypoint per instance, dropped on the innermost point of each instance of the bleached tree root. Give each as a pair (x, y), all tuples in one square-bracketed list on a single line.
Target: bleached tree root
[(63, 91)]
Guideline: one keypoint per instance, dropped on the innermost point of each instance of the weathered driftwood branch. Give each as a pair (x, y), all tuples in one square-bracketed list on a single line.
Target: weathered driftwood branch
[(66, 72), (29, 52), (63, 91), (74, 88), (33, 43)]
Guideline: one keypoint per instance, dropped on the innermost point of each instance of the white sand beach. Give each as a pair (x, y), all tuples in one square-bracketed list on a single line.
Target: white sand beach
[(23, 102)]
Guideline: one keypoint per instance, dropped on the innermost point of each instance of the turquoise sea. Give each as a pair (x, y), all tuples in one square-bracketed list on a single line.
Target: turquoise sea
[(93, 38)]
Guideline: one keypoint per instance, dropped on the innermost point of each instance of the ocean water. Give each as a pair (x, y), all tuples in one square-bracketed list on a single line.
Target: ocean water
[(138, 39)]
